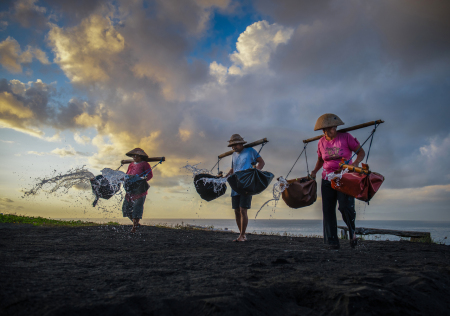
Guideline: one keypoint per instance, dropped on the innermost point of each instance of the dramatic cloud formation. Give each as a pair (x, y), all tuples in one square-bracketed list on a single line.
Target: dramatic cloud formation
[(135, 78)]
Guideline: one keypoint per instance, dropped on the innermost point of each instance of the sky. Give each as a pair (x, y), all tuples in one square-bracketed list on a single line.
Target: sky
[(82, 83)]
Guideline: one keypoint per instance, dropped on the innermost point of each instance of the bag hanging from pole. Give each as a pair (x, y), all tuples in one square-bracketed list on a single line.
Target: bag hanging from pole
[(102, 188), (301, 192), (360, 183), (206, 189), (136, 185), (250, 181)]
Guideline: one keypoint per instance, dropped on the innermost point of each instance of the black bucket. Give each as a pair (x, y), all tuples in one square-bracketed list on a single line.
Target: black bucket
[(102, 188), (206, 191), (250, 181), (135, 185)]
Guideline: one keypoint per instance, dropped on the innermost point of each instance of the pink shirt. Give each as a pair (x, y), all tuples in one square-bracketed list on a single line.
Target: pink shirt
[(332, 151), (139, 169)]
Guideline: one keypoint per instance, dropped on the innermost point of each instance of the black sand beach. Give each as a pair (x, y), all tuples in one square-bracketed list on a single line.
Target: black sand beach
[(158, 271)]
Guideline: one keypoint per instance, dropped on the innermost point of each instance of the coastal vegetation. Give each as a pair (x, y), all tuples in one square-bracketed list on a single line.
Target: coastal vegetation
[(41, 221)]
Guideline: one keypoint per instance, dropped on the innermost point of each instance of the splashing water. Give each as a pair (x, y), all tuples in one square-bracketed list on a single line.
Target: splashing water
[(194, 170), (277, 190), (218, 183), (336, 176), (74, 177), (115, 177)]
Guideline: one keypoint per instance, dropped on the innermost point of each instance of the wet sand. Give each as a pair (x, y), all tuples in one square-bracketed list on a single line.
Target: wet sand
[(159, 271)]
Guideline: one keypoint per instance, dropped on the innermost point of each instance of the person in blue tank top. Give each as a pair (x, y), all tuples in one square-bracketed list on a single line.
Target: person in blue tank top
[(242, 159)]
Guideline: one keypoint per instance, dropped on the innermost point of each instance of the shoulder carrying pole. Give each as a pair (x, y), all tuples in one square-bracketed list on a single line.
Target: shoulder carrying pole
[(149, 159), (258, 142), (344, 130)]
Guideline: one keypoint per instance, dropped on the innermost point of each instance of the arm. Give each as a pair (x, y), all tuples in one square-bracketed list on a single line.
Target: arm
[(260, 163), (359, 157), (229, 172), (149, 174), (319, 165)]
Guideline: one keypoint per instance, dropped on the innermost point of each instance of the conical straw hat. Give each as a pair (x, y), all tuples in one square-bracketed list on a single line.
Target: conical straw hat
[(328, 120), (236, 139), (136, 151)]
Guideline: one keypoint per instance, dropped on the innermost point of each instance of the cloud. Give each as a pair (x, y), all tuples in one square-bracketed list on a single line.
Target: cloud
[(142, 87), (254, 48), (7, 141), (12, 58), (6, 200), (256, 43), (69, 151), (28, 14), (29, 107), (81, 139), (3, 25), (85, 52)]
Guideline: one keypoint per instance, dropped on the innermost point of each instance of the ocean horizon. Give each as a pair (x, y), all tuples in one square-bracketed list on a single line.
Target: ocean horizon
[(309, 227)]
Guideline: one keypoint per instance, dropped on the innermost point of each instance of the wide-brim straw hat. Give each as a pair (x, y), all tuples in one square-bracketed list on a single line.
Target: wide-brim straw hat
[(137, 151), (328, 120), (236, 139)]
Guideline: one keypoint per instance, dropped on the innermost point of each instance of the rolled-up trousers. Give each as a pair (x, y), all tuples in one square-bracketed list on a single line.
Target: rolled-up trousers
[(330, 197)]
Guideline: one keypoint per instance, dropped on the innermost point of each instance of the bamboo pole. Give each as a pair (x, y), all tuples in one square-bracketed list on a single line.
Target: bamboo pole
[(258, 142), (149, 159), (344, 130)]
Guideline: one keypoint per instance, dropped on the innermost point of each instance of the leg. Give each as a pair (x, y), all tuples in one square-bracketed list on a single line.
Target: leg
[(347, 209), (237, 213), (138, 210), (244, 223), (127, 209), (329, 201), (245, 203)]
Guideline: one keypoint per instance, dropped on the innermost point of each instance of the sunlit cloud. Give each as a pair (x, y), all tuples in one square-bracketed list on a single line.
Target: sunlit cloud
[(86, 52), (81, 139), (12, 57), (69, 151)]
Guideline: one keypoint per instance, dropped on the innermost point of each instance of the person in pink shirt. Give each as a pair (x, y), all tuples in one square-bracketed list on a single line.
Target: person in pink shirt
[(332, 147), (133, 204)]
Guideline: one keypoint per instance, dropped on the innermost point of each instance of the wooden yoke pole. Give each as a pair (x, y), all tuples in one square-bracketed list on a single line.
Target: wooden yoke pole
[(258, 142), (348, 129), (149, 159)]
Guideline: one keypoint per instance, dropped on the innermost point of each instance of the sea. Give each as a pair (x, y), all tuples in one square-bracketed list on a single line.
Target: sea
[(439, 230)]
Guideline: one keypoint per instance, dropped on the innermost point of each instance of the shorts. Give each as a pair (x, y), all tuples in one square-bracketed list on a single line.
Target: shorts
[(133, 209), (243, 200)]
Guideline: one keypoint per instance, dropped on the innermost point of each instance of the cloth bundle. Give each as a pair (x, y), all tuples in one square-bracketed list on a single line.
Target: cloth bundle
[(206, 190), (359, 185), (250, 181), (135, 185), (102, 188), (301, 192)]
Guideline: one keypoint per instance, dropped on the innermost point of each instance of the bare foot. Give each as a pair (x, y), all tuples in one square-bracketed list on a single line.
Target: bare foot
[(133, 230)]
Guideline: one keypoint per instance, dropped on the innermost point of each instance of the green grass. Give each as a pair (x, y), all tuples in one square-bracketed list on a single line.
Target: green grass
[(40, 221)]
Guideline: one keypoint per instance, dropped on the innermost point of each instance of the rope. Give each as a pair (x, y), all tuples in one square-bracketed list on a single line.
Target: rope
[(304, 148), (217, 164), (307, 167), (370, 136), (254, 162), (370, 145)]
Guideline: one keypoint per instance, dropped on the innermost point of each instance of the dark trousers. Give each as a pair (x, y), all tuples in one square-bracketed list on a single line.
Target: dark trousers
[(346, 206)]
